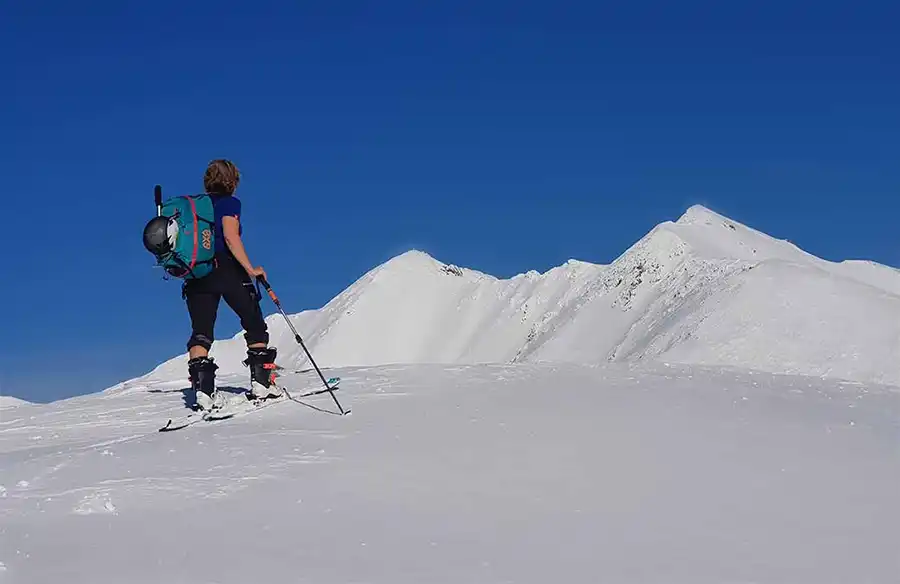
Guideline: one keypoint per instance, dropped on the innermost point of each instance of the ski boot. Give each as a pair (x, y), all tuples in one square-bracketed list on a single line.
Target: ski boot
[(262, 373), (203, 382)]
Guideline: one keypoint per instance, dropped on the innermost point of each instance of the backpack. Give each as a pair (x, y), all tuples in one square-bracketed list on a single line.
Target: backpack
[(182, 235)]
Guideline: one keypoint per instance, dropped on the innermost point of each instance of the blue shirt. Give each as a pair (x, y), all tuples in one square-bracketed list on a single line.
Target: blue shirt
[(225, 205)]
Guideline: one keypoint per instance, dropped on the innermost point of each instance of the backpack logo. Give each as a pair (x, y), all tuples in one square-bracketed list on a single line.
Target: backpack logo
[(207, 239)]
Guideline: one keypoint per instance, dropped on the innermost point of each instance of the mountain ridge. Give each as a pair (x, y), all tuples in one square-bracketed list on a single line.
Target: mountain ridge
[(701, 290)]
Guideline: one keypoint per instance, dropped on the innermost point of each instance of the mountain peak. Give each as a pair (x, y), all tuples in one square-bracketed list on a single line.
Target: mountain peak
[(415, 260), (412, 258), (700, 215), (713, 235)]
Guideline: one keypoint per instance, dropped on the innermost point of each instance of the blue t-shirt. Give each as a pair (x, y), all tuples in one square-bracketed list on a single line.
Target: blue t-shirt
[(224, 205)]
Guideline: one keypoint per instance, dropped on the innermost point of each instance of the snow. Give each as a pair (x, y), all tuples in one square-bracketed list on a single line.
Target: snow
[(702, 290), (8, 401), (488, 473), (715, 405)]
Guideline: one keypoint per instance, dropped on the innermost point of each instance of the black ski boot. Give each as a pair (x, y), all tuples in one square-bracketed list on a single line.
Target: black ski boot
[(262, 373), (203, 381)]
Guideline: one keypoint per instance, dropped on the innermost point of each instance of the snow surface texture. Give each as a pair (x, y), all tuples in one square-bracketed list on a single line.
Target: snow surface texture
[(526, 473), (8, 401), (703, 290)]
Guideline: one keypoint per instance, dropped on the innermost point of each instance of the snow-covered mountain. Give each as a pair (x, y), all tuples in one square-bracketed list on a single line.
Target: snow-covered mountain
[(511, 456), (701, 290)]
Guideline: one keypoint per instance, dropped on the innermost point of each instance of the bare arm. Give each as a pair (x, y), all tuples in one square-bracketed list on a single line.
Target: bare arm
[(230, 228)]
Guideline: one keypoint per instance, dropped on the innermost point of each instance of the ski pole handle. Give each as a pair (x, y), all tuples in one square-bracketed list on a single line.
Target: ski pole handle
[(265, 284), (157, 195)]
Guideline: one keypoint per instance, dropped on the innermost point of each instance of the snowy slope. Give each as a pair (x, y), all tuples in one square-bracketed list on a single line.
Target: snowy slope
[(707, 290), (595, 423), (8, 401), (701, 290), (415, 309), (526, 473)]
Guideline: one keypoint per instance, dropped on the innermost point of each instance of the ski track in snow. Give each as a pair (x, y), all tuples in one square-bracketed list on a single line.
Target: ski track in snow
[(489, 473)]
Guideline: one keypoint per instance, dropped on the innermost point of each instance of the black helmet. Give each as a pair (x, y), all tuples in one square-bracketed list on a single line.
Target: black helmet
[(156, 236)]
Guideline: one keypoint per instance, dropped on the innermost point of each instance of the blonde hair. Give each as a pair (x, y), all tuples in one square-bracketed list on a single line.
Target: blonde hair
[(222, 177)]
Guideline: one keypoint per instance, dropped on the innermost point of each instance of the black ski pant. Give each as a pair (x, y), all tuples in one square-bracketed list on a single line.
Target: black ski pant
[(229, 281)]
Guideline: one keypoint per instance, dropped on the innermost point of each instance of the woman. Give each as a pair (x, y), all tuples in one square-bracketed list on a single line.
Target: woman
[(232, 279)]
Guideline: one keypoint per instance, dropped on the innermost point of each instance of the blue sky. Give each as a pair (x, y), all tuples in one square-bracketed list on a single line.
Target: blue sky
[(503, 136)]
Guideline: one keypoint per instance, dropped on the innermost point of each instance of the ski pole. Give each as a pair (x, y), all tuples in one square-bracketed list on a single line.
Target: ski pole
[(299, 340)]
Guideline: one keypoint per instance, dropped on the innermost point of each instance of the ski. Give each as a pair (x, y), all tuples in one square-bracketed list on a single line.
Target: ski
[(244, 407)]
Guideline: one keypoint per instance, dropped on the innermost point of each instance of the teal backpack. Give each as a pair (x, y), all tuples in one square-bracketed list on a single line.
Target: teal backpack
[(182, 235)]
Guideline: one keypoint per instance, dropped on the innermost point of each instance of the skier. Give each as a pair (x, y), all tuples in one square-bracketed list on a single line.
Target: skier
[(232, 279)]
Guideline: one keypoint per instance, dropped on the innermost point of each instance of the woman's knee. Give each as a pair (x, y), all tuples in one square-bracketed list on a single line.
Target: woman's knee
[(200, 340), (256, 335)]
